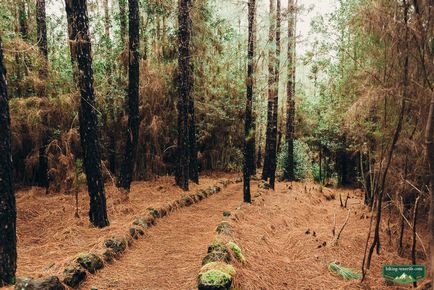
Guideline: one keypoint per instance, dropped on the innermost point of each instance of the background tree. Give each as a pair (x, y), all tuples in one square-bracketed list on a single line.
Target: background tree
[(249, 132), (132, 134), (290, 103), (184, 90), (267, 168), (88, 116), (8, 241)]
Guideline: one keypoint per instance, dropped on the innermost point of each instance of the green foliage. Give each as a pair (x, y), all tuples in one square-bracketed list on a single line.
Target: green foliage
[(302, 159), (346, 273), (237, 252)]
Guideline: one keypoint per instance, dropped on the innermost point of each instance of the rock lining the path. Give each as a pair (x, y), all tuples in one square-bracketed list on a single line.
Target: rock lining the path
[(76, 271)]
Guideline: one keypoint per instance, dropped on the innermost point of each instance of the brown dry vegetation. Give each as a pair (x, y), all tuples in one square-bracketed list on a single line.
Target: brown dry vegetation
[(49, 235), (282, 252)]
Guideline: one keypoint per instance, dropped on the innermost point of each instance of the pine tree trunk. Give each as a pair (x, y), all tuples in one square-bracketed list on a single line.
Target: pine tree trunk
[(88, 118), (266, 171), (252, 146), (249, 133), (72, 35), (42, 45), (290, 104), (184, 89), (41, 24), (273, 136), (8, 241), (123, 21), (132, 137)]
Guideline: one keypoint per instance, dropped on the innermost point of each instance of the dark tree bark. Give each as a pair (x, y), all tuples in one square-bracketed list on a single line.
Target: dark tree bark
[(72, 35), (376, 244), (252, 146), (273, 137), (88, 118), (41, 24), (132, 137), (249, 133), (22, 20), (8, 241), (266, 171), (184, 90), (123, 20), (290, 103)]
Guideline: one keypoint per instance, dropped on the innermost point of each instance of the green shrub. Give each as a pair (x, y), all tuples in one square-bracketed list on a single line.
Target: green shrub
[(302, 160)]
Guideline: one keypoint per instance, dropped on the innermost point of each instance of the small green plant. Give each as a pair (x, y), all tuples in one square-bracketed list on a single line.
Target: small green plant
[(302, 160), (237, 252), (346, 273)]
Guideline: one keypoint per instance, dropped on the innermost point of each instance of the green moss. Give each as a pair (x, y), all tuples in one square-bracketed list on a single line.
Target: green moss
[(237, 252), (226, 268), (217, 251), (224, 228), (215, 279)]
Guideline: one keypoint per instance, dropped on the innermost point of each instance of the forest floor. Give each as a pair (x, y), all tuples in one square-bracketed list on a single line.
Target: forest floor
[(286, 237)]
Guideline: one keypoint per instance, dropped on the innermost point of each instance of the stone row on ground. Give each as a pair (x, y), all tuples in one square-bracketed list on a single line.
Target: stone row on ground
[(88, 263), (224, 255)]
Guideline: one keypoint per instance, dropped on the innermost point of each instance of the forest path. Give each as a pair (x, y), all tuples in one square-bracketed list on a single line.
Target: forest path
[(170, 254)]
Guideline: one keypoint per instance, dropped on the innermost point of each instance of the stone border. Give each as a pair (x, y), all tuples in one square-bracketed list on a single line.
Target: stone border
[(88, 263), (218, 266)]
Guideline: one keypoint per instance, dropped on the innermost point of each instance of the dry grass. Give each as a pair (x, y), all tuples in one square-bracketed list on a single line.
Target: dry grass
[(49, 235), (281, 239)]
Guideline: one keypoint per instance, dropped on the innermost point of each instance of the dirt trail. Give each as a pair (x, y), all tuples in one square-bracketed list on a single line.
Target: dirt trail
[(170, 254)]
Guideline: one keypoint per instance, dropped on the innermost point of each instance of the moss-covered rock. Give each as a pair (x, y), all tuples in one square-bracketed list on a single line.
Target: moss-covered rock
[(136, 232), (217, 252), (224, 228), (216, 276), (73, 275), (153, 212), (117, 244), (144, 222), (187, 201), (49, 283), (264, 185), (226, 213), (236, 250), (90, 262)]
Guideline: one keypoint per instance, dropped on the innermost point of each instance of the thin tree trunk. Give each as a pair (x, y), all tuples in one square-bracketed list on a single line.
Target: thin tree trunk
[(192, 143), (132, 135), (8, 241), (72, 36), (43, 49), (274, 137), (252, 145), (376, 242), (266, 171), (88, 118), (290, 104), (184, 89), (249, 133), (123, 21), (42, 36)]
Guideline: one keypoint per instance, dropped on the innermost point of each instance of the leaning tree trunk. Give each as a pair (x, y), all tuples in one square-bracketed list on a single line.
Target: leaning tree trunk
[(376, 243), (88, 118), (429, 139), (8, 241), (290, 104), (273, 137), (266, 171), (249, 133), (184, 89), (132, 135)]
